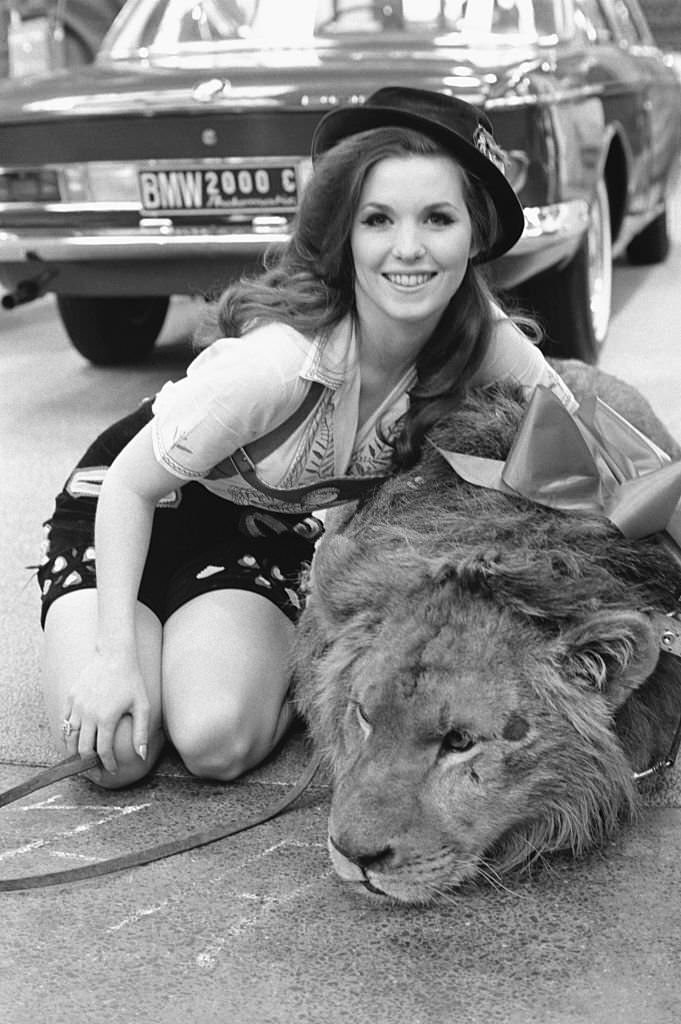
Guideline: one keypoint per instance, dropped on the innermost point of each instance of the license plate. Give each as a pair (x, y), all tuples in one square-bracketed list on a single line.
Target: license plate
[(220, 188)]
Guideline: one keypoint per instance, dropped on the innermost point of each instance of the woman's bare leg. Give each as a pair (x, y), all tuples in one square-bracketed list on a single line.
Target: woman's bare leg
[(225, 680)]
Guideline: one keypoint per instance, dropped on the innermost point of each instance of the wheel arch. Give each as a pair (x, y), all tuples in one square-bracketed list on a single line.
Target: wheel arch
[(615, 174)]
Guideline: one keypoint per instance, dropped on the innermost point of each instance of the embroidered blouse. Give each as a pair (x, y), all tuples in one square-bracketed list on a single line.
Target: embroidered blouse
[(240, 389)]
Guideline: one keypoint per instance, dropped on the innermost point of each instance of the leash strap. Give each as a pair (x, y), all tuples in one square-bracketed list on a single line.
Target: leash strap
[(323, 494), (75, 766), (264, 446), (63, 770)]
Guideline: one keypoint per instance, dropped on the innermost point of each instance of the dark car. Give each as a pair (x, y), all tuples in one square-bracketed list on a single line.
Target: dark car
[(174, 160)]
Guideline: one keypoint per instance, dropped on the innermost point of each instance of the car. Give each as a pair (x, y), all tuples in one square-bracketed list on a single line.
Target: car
[(176, 159)]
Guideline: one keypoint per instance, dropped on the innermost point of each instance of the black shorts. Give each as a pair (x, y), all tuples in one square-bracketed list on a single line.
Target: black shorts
[(199, 542)]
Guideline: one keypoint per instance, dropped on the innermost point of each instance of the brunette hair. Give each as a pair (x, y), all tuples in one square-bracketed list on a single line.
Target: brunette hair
[(308, 283)]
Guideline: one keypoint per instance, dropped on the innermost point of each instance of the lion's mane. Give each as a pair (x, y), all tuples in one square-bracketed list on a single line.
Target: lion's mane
[(529, 626)]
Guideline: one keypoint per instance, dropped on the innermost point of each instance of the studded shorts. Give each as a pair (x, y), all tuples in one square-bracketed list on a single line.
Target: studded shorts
[(200, 543)]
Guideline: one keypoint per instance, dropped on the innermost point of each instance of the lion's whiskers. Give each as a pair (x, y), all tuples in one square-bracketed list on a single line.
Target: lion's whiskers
[(489, 873)]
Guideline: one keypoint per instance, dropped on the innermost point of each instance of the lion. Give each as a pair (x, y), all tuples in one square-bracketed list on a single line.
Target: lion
[(482, 674)]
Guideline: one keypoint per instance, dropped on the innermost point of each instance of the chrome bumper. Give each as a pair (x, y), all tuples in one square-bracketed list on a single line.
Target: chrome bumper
[(66, 246), (560, 222)]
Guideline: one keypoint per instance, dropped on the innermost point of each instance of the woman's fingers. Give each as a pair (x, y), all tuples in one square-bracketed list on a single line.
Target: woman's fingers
[(86, 738), (105, 735), (70, 732), (140, 727)]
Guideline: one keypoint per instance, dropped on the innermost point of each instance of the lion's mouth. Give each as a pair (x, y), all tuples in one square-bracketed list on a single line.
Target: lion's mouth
[(370, 887), (411, 885), (349, 871)]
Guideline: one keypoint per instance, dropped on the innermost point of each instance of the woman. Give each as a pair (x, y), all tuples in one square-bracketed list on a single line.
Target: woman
[(334, 364)]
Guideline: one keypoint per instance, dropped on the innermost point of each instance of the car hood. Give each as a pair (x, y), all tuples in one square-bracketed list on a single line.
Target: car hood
[(309, 78)]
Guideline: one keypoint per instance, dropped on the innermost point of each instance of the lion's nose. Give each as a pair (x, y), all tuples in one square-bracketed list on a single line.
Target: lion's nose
[(374, 861), (366, 860)]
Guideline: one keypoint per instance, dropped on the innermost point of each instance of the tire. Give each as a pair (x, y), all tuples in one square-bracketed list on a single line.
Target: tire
[(113, 331), (652, 244), (573, 302)]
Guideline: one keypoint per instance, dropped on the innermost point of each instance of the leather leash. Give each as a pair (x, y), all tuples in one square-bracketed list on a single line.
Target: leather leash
[(76, 766)]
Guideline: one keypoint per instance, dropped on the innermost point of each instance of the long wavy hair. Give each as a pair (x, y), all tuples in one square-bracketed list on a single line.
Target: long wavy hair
[(309, 282)]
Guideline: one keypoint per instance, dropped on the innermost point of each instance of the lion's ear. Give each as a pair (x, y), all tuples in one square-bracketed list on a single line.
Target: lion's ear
[(615, 651)]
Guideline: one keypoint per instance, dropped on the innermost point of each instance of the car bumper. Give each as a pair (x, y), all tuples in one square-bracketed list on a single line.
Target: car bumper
[(180, 260), (551, 237)]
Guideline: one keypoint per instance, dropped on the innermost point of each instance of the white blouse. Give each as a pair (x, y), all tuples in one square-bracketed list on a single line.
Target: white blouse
[(240, 389)]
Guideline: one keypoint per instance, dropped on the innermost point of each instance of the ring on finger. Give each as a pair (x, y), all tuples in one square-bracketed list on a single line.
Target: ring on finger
[(68, 728)]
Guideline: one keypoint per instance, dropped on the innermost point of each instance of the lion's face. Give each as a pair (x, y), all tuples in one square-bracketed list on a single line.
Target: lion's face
[(438, 754), (457, 745)]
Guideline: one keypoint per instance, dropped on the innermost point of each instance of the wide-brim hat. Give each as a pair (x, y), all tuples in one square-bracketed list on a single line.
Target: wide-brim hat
[(459, 127)]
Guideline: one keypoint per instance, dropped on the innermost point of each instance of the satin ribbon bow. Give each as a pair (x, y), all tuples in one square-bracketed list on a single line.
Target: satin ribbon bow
[(592, 460)]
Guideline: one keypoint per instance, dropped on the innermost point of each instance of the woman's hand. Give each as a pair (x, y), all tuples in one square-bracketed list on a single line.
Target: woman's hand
[(110, 687)]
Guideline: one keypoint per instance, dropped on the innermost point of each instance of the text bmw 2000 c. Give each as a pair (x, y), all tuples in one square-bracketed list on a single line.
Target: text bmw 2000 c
[(181, 189)]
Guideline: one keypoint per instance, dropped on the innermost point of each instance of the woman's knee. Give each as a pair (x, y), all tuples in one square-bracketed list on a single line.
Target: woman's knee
[(223, 746)]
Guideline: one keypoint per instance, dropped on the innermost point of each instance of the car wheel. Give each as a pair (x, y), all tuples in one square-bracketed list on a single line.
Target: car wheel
[(573, 302), (113, 331), (652, 244)]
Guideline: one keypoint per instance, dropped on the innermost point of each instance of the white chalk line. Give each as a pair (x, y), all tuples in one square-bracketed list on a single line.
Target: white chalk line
[(77, 830), (208, 957), (63, 855), (215, 879), (52, 803), (266, 903), (180, 895), (138, 915)]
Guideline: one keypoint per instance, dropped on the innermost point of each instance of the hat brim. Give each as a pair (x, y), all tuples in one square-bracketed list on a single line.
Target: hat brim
[(345, 121)]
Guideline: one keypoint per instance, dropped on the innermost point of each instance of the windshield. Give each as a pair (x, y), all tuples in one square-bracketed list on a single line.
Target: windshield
[(163, 27)]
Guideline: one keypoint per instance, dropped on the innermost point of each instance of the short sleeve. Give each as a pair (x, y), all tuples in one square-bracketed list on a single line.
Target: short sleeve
[(512, 356), (236, 390)]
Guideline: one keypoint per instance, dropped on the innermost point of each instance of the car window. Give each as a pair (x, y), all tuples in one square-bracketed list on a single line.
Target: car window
[(626, 23), (590, 18), (489, 17), (176, 26)]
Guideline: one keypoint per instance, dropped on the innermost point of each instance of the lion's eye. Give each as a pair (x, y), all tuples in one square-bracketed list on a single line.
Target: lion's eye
[(364, 723), (456, 741)]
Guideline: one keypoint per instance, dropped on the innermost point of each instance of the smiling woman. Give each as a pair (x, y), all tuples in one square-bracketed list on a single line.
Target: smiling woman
[(410, 248)]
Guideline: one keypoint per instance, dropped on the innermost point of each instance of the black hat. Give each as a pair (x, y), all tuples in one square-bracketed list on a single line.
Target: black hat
[(462, 129)]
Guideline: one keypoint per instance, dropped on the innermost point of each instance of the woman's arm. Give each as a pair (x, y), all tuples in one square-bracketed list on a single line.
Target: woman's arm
[(112, 685), (512, 356), (132, 487)]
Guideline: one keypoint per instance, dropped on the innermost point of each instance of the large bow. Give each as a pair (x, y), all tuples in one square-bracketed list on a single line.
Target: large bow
[(592, 460)]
